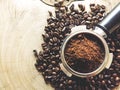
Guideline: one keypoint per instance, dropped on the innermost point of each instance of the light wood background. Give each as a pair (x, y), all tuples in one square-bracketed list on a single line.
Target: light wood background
[(21, 25)]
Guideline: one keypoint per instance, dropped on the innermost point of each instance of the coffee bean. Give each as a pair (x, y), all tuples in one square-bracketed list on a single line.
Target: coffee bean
[(55, 39), (50, 13), (111, 78), (103, 82), (56, 4), (118, 36), (53, 62), (81, 7), (83, 22), (100, 15), (86, 15), (92, 8), (61, 85), (93, 82), (114, 74), (69, 81), (102, 11), (35, 53), (44, 65), (50, 66), (117, 79), (100, 76), (54, 73), (118, 50), (89, 18), (72, 7), (109, 82), (118, 57), (88, 22), (112, 86), (102, 6), (57, 69)]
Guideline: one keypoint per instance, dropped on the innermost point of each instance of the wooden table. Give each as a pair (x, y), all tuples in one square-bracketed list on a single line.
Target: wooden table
[(21, 25)]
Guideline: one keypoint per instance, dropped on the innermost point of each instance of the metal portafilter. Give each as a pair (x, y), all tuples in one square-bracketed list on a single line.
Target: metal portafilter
[(109, 24)]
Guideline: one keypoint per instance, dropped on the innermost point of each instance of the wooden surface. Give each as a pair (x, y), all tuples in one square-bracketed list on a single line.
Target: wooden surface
[(21, 25)]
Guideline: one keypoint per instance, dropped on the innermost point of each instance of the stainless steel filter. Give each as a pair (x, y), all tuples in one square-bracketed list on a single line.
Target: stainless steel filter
[(109, 24)]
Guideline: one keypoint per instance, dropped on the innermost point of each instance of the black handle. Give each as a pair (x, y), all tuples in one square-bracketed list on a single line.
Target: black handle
[(112, 21)]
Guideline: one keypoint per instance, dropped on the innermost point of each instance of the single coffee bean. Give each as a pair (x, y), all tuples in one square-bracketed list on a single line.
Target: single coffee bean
[(117, 79), (118, 57), (118, 50), (50, 13), (54, 73), (81, 7), (86, 15), (53, 62), (103, 82), (69, 81), (35, 53), (102, 6), (56, 4), (72, 7), (114, 74)]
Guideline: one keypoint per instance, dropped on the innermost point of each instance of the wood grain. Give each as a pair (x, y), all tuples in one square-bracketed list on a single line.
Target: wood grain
[(21, 25)]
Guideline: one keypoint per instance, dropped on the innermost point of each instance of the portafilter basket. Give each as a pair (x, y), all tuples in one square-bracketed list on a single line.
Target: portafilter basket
[(109, 24)]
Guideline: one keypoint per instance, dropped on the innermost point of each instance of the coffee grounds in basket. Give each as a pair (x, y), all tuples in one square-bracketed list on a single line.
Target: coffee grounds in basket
[(84, 53)]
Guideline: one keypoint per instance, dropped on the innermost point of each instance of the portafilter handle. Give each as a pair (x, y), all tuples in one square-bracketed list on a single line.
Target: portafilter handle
[(112, 21)]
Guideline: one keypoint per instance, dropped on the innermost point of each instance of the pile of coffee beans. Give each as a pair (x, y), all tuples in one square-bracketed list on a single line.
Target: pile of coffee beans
[(84, 53), (58, 27)]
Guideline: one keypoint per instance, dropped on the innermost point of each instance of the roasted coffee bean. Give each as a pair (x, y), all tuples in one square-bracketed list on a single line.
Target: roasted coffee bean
[(100, 76), (118, 50), (44, 65), (86, 15), (89, 18), (81, 7), (56, 4), (102, 11), (72, 7), (69, 81), (35, 53), (102, 6), (118, 57), (114, 74), (93, 82), (92, 8), (50, 13), (54, 73), (57, 69), (53, 62), (118, 36), (100, 15), (61, 85), (117, 79), (103, 82)]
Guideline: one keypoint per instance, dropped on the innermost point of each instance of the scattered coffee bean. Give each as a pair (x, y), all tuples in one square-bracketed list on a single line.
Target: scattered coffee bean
[(82, 8)]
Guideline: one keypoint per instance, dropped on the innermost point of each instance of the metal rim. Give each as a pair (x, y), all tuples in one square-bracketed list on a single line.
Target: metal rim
[(95, 72), (68, 3)]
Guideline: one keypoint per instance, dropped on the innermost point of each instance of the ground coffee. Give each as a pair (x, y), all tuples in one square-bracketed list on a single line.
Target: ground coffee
[(84, 53)]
